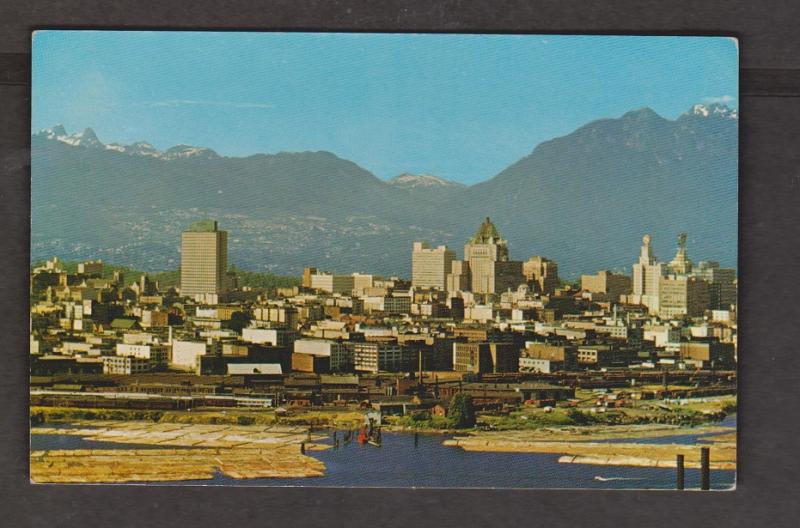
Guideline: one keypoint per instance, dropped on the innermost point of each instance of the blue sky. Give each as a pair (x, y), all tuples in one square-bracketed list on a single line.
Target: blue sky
[(462, 107)]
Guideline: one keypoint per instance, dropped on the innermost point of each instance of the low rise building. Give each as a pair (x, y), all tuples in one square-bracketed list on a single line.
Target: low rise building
[(126, 365), (604, 356), (376, 356), (329, 283), (544, 357), (485, 357), (709, 353), (270, 336), (185, 354), (340, 356), (311, 363)]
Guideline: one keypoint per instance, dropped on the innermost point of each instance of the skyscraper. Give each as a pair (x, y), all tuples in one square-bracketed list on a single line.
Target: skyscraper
[(204, 259), (487, 255), (721, 282), (430, 266), (647, 273)]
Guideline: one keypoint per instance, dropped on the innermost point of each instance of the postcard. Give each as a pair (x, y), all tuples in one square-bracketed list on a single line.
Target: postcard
[(384, 260)]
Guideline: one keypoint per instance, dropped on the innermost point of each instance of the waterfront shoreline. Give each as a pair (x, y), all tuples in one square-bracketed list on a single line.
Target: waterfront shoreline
[(198, 451)]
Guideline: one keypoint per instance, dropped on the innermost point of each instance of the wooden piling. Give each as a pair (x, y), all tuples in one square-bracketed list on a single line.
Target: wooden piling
[(705, 470), (679, 476)]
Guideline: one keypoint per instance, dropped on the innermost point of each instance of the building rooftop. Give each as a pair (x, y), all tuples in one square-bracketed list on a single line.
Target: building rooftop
[(486, 233), (254, 368), (203, 226), (124, 324)]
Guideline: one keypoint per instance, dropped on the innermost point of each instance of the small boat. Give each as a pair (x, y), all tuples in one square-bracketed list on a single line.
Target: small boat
[(609, 479)]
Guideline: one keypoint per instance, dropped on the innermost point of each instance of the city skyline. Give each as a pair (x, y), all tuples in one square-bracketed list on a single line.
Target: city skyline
[(568, 309), (459, 109), (424, 246)]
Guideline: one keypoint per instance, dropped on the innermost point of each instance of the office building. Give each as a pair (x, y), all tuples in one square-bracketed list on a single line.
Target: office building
[(126, 365), (91, 268), (307, 273), (485, 357), (682, 296), (609, 285), (204, 259), (458, 277), (380, 356), (721, 284), (278, 336), (541, 274), (430, 266), (329, 283)]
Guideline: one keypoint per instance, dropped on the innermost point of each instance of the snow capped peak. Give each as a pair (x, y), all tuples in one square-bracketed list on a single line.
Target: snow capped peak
[(188, 151), (58, 130), (714, 110), (88, 135), (411, 181), (89, 139), (52, 133), (143, 148)]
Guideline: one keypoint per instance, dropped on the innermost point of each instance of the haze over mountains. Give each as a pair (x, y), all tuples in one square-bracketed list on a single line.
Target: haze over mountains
[(584, 199)]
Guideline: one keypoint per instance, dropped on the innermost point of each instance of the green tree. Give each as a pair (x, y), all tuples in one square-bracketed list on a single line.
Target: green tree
[(462, 411), (580, 418), (238, 321)]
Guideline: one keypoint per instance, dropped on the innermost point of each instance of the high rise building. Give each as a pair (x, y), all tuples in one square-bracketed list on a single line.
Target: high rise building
[(647, 273), (604, 282), (489, 267), (721, 283), (430, 266), (542, 274), (307, 273), (458, 277), (682, 295), (204, 259), (688, 292)]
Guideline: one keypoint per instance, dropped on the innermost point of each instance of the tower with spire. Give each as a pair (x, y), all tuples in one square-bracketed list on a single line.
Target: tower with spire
[(491, 271), (681, 265), (647, 273)]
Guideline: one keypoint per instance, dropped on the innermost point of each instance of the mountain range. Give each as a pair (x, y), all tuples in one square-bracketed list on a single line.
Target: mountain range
[(584, 200)]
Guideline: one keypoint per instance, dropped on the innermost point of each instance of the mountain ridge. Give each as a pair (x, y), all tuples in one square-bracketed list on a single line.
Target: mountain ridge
[(584, 199), (88, 138)]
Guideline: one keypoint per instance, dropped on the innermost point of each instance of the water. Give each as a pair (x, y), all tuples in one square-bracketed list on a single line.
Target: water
[(426, 463)]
